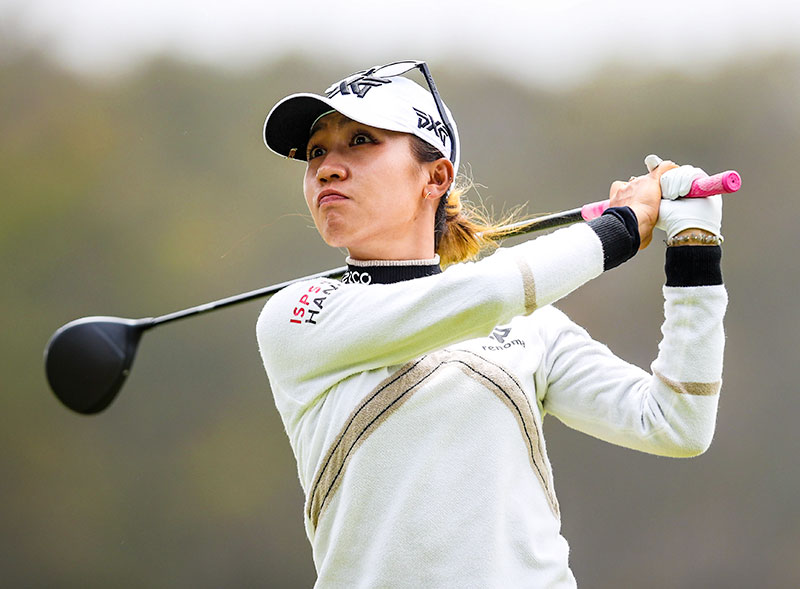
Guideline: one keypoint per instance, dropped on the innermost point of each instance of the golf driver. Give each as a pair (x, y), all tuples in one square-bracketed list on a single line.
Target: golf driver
[(87, 360)]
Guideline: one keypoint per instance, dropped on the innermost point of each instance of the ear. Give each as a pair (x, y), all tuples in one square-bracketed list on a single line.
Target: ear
[(440, 177)]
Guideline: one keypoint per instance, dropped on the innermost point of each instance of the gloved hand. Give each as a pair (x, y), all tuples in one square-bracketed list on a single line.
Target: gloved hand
[(674, 215)]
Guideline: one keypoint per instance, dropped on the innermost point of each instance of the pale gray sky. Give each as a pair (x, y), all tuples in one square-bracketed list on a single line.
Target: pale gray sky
[(544, 41)]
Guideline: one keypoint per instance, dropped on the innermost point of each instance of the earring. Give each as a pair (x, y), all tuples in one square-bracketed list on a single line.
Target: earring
[(427, 195)]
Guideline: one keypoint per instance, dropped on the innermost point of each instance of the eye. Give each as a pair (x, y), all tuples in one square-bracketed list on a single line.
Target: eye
[(361, 138), (314, 151)]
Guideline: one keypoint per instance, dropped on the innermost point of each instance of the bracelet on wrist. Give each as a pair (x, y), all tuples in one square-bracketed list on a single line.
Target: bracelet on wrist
[(694, 239)]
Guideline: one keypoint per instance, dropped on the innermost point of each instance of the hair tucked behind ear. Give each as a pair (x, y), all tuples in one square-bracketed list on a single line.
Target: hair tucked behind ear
[(462, 230)]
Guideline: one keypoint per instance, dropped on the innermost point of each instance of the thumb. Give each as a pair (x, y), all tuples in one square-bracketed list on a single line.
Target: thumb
[(657, 168), (652, 161), (661, 168)]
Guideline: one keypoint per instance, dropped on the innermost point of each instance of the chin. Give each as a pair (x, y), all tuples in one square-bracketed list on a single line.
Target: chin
[(333, 237), (337, 233), (334, 243)]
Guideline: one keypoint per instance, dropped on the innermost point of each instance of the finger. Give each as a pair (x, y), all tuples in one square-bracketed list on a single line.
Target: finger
[(616, 186), (663, 166), (652, 161)]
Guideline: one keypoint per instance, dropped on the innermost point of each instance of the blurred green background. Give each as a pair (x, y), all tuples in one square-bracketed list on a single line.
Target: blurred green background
[(151, 191)]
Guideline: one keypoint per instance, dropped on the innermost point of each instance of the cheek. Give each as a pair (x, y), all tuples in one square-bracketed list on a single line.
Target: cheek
[(308, 192), (413, 190)]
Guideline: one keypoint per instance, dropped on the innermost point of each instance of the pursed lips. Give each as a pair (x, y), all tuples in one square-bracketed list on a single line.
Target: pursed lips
[(328, 196)]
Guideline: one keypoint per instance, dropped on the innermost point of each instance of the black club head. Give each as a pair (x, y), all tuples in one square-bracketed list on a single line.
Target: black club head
[(88, 360)]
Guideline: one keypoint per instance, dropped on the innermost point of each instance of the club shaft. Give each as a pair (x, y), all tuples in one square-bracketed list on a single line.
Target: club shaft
[(542, 223), (519, 228), (242, 298)]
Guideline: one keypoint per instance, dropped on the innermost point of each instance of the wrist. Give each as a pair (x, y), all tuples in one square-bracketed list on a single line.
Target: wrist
[(693, 266), (617, 229)]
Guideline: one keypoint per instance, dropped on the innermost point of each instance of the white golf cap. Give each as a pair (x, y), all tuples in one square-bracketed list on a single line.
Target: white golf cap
[(379, 97)]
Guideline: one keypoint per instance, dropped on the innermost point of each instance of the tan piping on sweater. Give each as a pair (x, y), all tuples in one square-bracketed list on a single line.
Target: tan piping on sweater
[(702, 389), (387, 397), (529, 286)]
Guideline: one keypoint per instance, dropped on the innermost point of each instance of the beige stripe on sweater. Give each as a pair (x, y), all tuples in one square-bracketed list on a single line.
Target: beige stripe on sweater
[(702, 389), (387, 397)]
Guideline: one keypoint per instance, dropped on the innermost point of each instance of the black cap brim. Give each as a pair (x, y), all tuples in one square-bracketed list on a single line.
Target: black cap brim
[(288, 125)]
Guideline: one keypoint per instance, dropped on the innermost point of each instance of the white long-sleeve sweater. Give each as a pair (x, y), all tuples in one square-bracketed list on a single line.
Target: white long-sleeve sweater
[(415, 408)]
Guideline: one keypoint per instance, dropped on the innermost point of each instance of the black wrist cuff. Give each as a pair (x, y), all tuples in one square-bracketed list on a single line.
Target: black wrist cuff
[(618, 231), (694, 265)]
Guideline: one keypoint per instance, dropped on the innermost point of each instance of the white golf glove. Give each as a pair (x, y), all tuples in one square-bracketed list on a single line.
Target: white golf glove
[(687, 213)]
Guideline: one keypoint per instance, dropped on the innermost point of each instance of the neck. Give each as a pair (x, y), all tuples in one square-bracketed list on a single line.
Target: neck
[(389, 271), (408, 241)]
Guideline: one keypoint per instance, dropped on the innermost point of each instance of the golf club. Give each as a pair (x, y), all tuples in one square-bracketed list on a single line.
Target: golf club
[(87, 360)]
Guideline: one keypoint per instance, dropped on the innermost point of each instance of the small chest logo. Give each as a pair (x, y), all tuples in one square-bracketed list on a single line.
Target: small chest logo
[(500, 335)]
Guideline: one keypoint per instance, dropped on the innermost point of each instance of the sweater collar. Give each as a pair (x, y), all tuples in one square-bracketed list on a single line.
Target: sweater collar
[(389, 271)]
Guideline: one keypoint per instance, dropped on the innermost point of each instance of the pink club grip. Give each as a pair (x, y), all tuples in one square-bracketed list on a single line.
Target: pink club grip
[(593, 209), (722, 183)]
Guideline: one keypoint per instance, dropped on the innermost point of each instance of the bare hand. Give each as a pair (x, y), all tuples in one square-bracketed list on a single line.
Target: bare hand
[(643, 195)]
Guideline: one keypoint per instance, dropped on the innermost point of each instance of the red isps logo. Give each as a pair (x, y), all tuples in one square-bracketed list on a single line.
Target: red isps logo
[(300, 311)]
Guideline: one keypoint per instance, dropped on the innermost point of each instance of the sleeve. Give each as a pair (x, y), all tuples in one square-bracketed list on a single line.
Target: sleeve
[(670, 411), (314, 334)]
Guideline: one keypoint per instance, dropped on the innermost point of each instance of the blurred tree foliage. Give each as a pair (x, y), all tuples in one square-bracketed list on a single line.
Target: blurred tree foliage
[(152, 191)]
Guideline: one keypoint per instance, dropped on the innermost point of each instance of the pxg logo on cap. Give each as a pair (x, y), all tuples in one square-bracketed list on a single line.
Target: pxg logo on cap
[(359, 84), (380, 97)]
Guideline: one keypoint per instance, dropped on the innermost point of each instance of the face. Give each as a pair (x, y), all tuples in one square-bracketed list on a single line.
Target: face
[(366, 191)]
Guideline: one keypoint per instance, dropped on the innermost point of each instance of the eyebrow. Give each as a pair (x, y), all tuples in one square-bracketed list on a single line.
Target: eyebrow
[(322, 124)]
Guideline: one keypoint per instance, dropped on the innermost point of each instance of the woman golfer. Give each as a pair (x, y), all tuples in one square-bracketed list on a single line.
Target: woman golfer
[(413, 397)]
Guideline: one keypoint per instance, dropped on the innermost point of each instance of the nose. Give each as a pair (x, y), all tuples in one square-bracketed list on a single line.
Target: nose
[(331, 168)]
